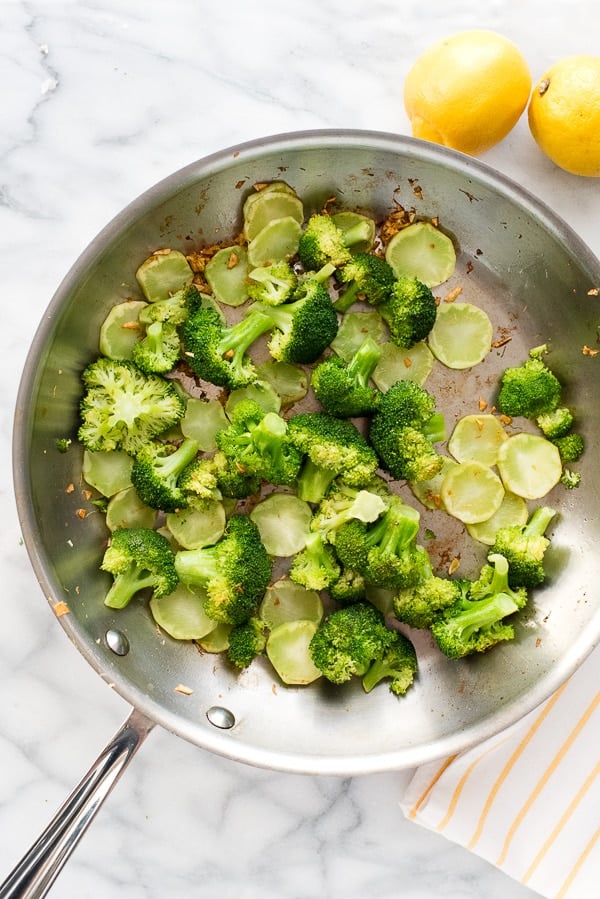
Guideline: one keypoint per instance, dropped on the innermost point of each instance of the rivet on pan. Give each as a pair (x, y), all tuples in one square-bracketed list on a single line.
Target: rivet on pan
[(220, 717), (117, 641)]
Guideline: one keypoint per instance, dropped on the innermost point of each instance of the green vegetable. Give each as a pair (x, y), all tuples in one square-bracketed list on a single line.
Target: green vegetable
[(288, 652), (175, 308), (246, 641), (286, 601), (385, 552), (235, 571), (120, 330), (258, 444), (227, 275), (272, 284), (162, 274), (181, 614), (126, 510), (529, 389), (107, 472), (138, 559), (333, 447), (123, 408), (305, 327), (276, 242), (342, 388), (422, 251), (367, 277), (351, 640), (398, 663), (421, 604), (477, 620), (403, 432), (322, 242), (158, 349), (156, 470), (410, 311), (217, 352), (461, 336), (524, 548), (283, 521)]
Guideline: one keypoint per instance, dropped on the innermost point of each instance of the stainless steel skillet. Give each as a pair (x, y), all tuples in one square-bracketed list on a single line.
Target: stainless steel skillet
[(516, 259)]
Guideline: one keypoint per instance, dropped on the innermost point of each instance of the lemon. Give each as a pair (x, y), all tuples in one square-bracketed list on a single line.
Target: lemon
[(467, 91), (564, 114)]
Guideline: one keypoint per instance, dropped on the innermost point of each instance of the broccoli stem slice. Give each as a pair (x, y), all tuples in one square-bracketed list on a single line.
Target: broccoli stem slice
[(314, 481)]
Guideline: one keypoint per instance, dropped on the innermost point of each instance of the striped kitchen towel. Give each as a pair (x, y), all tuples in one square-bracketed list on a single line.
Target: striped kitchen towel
[(528, 799)]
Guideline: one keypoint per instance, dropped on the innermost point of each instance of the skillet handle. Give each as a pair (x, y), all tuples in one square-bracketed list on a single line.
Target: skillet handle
[(35, 873)]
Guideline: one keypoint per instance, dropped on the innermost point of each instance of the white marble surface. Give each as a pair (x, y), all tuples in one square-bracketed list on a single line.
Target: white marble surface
[(101, 98)]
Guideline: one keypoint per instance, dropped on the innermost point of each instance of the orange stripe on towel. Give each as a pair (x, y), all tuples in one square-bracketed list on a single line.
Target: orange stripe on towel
[(510, 764), (422, 798), (562, 821), (546, 777), (577, 866)]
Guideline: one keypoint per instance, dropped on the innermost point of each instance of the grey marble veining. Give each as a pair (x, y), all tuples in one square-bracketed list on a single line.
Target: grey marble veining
[(101, 99)]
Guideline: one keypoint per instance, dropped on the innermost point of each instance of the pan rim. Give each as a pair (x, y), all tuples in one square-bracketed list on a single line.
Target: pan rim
[(217, 742)]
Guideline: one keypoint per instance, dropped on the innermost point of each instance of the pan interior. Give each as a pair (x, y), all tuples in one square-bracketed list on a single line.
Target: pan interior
[(516, 260)]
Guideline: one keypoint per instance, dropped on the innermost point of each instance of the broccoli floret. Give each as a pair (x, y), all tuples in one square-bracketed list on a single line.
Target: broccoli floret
[(158, 350), (570, 447), (385, 552), (315, 567), (235, 571), (421, 604), (399, 662), (343, 388), (305, 327), (334, 447), (410, 311), (272, 284), (212, 478), (368, 278), (62, 444), (530, 389), (349, 588), (138, 558), (246, 641), (343, 503), (524, 548), (348, 641), (322, 242), (174, 309), (155, 474), (123, 408), (556, 423), (403, 431), (198, 482), (217, 352), (477, 621), (257, 443), (570, 479)]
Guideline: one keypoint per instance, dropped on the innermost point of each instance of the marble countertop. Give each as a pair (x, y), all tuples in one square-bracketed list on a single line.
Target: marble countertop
[(102, 98)]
